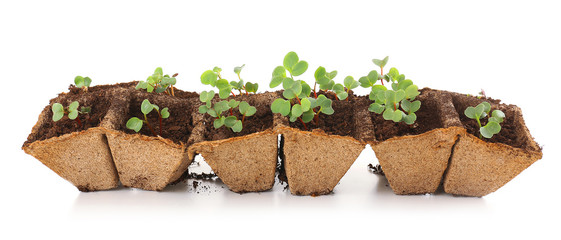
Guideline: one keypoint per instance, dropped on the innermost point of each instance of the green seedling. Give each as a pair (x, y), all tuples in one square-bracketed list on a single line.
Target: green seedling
[(298, 104), (225, 88), (146, 107), (159, 83), (71, 111), (223, 111), (493, 123), (397, 104), (82, 82)]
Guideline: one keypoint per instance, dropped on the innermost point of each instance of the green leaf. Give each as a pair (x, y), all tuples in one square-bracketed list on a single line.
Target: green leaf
[(224, 92), (290, 60), (404, 84), (332, 74), (169, 81), (381, 62), (390, 97), (221, 106), (376, 107), (219, 122), (409, 119), (319, 75), (350, 82), (490, 129), (87, 81), (364, 82), (79, 81), (149, 88), (306, 89), (209, 78), (58, 111), (72, 114), (486, 107), (399, 95), (287, 83), (222, 84), (406, 105), (278, 76), (293, 119), (156, 107), (296, 88), (281, 106), (146, 107), (306, 104), (237, 70), (313, 102), (479, 110), (250, 111), (165, 113), (243, 106), (203, 109), (230, 121), (415, 106), (233, 103), (160, 89), (328, 111), (388, 114), (251, 87), (134, 124), (296, 110), (326, 103), (338, 88), (206, 96), (212, 112), (300, 68), (373, 77), (411, 92), (158, 71), (238, 126), (393, 74), (217, 69), (497, 116), (141, 85), (397, 115), (328, 86), (470, 112), (73, 106), (342, 95), (308, 116)]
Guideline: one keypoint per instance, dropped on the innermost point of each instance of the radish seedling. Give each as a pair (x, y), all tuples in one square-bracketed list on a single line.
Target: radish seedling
[(146, 107), (493, 123), (82, 82), (397, 104), (159, 83), (297, 103), (72, 112)]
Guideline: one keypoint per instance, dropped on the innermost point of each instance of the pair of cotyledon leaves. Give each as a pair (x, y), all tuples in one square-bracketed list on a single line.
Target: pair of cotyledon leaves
[(58, 110)]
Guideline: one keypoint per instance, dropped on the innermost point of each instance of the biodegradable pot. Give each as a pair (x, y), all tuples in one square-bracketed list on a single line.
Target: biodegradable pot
[(481, 166), (80, 156), (152, 162), (245, 161), (314, 161), (415, 157)]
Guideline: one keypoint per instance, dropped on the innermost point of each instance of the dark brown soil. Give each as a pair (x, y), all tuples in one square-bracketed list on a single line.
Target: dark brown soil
[(260, 121), (427, 119), (508, 134), (339, 123), (177, 127), (96, 100)]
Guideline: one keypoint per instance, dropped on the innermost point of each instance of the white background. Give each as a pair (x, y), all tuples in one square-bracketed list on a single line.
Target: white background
[(509, 48)]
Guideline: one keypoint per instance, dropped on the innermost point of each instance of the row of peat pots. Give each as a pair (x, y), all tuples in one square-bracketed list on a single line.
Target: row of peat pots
[(439, 149)]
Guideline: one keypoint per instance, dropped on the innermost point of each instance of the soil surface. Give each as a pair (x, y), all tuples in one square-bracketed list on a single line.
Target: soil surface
[(339, 123), (177, 127), (508, 134), (260, 121), (95, 99), (427, 119)]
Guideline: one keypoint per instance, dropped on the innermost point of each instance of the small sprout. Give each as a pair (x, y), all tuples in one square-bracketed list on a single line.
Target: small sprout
[(397, 104), (71, 111), (159, 83), (146, 107), (82, 82), (493, 124), (298, 104), (225, 88)]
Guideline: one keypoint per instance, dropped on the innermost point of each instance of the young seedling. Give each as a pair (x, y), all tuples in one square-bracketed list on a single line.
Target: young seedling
[(493, 123), (82, 82), (159, 83), (72, 111), (223, 111), (146, 107), (397, 104), (225, 88), (297, 103)]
